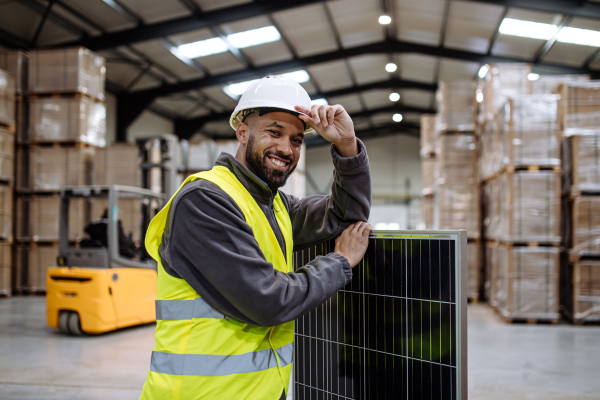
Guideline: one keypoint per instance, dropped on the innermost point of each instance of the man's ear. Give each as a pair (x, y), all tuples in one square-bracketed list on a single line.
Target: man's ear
[(243, 133)]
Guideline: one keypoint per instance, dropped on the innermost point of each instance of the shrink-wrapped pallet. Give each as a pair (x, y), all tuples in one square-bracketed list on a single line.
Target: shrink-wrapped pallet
[(529, 207), (525, 281), (7, 150), (118, 164), (428, 135), (457, 159), (491, 209), (473, 269), (581, 225), (548, 84), (428, 171), (490, 262), (579, 107), (15, 63), (580, 294), (490, 149), (5, 269), (44, 169), (502, 81), (37, 218), (457, 207), (128, 213), (66, 119), (581, 164), (6, 212), (456, 106), (427, 212), (7, 99), (32, 262), (67, 70)]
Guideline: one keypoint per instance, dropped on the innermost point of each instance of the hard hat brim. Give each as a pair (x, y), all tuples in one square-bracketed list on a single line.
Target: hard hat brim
[(235, 118)]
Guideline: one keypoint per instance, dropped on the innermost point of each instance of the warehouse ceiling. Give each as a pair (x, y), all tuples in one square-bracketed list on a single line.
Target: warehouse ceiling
[(338, 50)]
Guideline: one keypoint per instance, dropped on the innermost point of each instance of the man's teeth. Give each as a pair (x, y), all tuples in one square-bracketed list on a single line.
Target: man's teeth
[(277, 162)]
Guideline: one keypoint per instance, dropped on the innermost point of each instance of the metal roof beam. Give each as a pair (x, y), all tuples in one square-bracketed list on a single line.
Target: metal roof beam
[(565, 7), (186, 24), (408, 129)]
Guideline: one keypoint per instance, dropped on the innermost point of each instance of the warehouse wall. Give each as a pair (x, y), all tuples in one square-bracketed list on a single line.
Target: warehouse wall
[(147, 124), (393, 159)]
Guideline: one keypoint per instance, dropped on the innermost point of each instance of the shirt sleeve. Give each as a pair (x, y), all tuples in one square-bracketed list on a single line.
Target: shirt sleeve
[(319, 218), (211, 246)]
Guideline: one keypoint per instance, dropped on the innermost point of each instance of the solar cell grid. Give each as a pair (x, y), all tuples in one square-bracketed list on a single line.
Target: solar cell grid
[(394, 331)]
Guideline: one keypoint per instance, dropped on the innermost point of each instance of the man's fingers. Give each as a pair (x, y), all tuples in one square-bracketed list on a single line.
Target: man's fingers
[(303, 109), (323, 115), (331, 115), (314, 113)]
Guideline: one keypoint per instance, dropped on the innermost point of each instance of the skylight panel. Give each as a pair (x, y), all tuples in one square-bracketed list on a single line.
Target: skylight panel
[(528, 29), (254, 37), (203, 48), (235, 90)]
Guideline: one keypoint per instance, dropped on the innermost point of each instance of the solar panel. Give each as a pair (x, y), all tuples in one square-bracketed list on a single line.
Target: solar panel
[(397, 330)]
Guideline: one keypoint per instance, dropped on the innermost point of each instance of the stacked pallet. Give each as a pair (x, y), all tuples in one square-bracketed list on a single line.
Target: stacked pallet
[(7, 134), (449, 170), (579, 116), (519, 168), (65, 122)]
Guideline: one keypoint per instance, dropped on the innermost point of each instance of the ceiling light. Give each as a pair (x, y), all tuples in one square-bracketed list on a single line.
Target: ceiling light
[(385, 19), (528, 29), (254, 37), (583, 37), (483, 71), (319, 102), (203, 48), (394, 96), (397, 117), (533, 77), (391, 67), (479, 97), (237, 89)]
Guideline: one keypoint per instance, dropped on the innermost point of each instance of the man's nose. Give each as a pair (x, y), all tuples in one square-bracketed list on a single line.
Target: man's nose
[(284, 146)]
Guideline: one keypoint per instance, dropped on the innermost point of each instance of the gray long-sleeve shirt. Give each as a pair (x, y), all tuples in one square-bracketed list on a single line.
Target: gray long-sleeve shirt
[(208, 243)]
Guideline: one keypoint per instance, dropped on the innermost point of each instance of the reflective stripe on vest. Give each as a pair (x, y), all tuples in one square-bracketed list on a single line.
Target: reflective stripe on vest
[(171, 310), (210, 365)]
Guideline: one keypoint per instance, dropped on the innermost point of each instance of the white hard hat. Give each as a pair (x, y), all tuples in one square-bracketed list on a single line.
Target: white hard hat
[(274, 91)]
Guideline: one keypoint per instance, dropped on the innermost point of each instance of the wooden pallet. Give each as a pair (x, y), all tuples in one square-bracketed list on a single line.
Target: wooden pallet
[(12, 128), (578, 257), (473, 300), (55, 144), (496, 243), (511, 169), (63, 95), (530, 321)]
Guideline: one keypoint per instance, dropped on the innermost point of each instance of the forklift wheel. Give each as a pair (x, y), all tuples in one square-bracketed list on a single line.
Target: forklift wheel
[(63, 322), (74, 324)]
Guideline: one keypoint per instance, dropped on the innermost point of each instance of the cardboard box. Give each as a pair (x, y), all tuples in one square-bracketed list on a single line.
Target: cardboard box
[(456, 106), (428, 171), (7, 99), (31, 264), (580, 291), (15, 63), (457, 159), (548, 84), (7, 149), (457, 207), (67, 119), (428, 135), (44, 169), (5, 269), (118, 164), (67, 70), (579, 107), (525, 281), (581, 225), (427, 212), (581, 164), (502, 81), (473, 269), (6, 212)]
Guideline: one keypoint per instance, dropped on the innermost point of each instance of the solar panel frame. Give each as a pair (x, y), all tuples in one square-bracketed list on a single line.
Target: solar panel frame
[(457, 297)]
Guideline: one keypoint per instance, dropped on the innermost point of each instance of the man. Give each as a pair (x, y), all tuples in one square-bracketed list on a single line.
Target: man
[(227, 294)]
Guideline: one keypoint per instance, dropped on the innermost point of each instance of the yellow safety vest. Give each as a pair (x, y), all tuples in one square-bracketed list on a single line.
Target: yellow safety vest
[(201, 354)]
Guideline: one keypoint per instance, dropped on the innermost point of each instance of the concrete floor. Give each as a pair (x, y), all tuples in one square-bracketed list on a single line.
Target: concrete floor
[(505, 361)]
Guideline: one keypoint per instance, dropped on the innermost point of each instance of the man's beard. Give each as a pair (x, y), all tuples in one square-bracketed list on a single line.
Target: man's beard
[(272, 177)]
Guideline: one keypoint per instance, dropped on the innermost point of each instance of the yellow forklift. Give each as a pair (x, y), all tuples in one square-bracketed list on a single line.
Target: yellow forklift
[(103, 283)]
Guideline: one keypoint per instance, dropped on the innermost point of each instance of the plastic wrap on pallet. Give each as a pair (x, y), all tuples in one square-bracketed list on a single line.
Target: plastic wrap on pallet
[(526, 282), (67, 70), (32, 263), (548, 84), (117, 164), (7, 150), (492, 209), (473, 269), (6, 212), (489, 265), (457, 159), (579, 107), (585, 291), (15, 63), (7, 99), (581, 164), (490, 145), (128, 213), (37, 218), (428, 135), (61, 119), (5, 269), (501, 82), (51, 168), (428, 171), (581, 225), (457, 207), (530, 207), (456, 106), (427, 212)]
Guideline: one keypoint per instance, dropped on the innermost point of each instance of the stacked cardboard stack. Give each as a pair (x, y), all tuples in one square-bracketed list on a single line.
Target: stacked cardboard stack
[(519, 168), (579, 116), (65, 120), (7, 134), (449, 170)]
